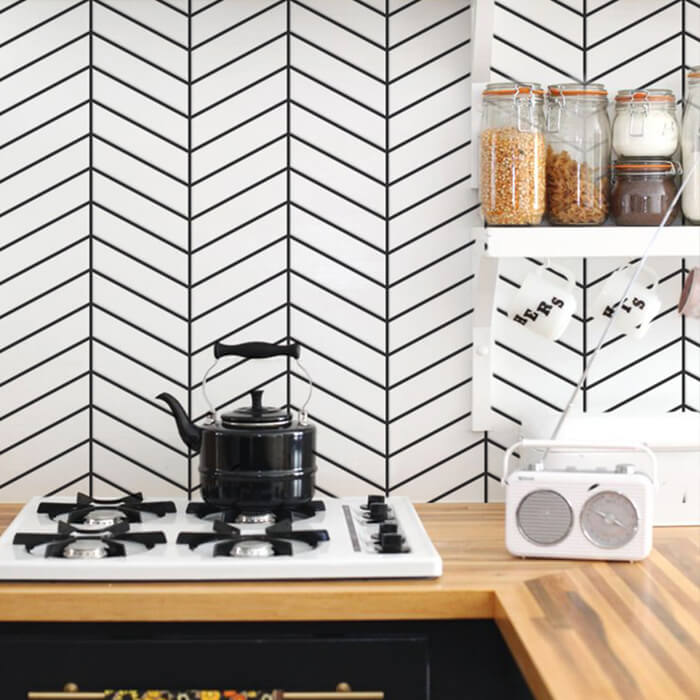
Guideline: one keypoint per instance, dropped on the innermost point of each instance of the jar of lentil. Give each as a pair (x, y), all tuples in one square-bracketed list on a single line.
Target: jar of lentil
[(642, 191), (578, 154), (690, 140), (512, 154), (645, 124)]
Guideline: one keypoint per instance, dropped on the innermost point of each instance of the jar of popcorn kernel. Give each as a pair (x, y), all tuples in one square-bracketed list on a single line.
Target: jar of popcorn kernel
[(512, 154), (578, 154)]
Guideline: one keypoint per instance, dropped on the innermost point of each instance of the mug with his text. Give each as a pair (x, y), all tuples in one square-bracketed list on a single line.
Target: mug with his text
[(639, 307)]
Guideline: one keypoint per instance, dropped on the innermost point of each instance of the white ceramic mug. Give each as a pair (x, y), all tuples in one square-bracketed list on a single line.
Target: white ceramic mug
[(639, 307), (689, 304), (545, 303)]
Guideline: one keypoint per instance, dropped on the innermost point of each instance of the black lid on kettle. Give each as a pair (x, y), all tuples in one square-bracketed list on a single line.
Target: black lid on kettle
[(256, 415)]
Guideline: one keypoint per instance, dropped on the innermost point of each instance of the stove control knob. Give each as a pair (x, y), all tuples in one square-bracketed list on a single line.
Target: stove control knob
[(374, 499), (385, 528), (378, 512), (391, 543)]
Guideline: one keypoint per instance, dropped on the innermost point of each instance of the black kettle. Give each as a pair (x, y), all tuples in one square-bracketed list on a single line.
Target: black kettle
[(254, 457)]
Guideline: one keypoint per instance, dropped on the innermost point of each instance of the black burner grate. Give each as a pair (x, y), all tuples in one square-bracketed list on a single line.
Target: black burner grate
[(231, 514), (112, 538), (131, 507), (280, 536)]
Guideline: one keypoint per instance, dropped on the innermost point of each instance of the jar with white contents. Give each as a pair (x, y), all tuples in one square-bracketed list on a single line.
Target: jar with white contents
[(691, 148), (645, 124)]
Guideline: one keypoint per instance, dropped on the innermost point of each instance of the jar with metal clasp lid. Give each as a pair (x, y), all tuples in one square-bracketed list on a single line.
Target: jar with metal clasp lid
[(643, 190), (578, 154), (645, 124), (512, 153), (690, 140)]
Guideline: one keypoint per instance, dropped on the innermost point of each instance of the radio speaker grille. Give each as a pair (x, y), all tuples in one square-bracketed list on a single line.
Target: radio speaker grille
[(544, 517)]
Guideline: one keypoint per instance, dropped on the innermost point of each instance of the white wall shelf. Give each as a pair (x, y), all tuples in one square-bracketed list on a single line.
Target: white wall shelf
[(587, 241)]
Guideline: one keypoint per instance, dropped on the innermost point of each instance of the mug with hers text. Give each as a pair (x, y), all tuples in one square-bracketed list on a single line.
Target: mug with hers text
[(545, 302)]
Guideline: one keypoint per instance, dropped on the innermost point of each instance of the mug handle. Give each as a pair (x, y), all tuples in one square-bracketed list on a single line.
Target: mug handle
[(647, 269)]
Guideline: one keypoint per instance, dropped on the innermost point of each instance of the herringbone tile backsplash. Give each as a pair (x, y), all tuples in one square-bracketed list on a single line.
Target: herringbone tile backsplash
[(173, 172)]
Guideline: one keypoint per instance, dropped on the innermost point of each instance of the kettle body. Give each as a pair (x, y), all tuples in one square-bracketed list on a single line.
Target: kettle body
[(255, 468), (255, 458)]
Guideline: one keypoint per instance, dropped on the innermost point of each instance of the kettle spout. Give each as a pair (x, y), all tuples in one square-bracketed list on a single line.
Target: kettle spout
[(190, 433)]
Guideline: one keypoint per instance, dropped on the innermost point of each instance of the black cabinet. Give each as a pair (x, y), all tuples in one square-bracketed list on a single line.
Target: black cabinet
[(454, 660)]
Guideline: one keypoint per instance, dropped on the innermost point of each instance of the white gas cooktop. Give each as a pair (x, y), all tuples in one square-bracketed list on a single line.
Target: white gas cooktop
[(61, 539)]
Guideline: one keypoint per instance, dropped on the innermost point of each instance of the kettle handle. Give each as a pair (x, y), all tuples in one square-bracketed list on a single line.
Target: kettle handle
[(257, 350)]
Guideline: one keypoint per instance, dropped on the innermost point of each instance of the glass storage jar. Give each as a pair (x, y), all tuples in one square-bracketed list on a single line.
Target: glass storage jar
[(642, 191), (578, 154), (645, 124), (690, 141), (512, 154)]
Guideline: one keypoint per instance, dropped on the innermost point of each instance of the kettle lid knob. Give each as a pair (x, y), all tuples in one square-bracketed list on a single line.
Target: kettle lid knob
[(256, 396)]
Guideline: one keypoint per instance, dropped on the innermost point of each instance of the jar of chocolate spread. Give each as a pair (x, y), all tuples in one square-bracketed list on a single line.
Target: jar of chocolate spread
[(642, 191)]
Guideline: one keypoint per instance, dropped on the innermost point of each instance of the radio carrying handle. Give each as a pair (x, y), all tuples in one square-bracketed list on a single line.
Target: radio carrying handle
[(583, 447)]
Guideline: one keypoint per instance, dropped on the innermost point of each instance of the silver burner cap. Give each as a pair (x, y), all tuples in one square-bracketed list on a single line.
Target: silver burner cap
[(103, 517), (85, 549), (252, 549), (256, 518)]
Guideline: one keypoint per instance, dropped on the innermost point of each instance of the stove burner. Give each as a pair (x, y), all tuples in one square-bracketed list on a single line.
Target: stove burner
[(235, 514), (103, 517), (253, 549), (71, 542), (277, 540), (256, 518), (97, 512), (85, 548)]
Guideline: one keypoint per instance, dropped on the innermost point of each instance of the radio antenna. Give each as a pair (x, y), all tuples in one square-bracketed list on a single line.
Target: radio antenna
[(606, 330)]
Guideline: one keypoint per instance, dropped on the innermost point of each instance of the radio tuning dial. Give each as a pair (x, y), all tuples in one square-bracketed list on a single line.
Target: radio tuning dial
[(609, 519)]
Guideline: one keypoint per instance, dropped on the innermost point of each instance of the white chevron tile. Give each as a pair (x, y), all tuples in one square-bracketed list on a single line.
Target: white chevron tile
[(161, 48), (444, 481), (359, 85), (429, 447), (241, 70), (158, 82), (367, 225), (353, 16), (237, 177), (23, 49), (140, 108), (62, 334), (616, 18), (557, 17), (324, 304), (331, 338), (24, 16), (443, 344), (153, 14), (415, 150), (361, 49), (338, 109), (326, 136), (239, 143), (235, 313), (152, 216), (549, 47), (338, 243), (67, 468), (244, 36)]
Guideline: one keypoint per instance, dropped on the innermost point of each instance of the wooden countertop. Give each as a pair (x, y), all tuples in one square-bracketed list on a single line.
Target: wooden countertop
[(589, 630)]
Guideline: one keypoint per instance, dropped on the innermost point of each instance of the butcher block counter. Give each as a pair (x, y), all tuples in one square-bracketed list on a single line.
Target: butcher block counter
[(576, 629)]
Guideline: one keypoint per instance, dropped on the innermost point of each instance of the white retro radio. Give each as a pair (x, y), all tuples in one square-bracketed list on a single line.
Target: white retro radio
[(579, 514)]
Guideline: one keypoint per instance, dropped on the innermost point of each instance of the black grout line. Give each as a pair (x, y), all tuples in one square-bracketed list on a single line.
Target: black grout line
[(387, 255), (91, 364), (189, 236), (288, 212)]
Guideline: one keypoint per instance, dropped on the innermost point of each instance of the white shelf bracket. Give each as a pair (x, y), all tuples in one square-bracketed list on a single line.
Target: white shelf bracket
[(486, 278)]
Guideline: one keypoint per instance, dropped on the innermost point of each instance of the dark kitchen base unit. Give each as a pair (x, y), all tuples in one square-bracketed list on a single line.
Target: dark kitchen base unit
[(442, 660)]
